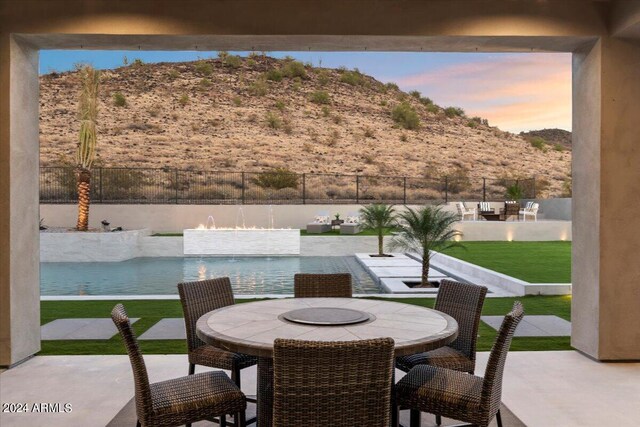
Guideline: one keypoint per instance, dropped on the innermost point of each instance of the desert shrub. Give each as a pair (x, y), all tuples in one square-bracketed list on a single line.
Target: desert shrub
[(287, 126), (514, 192), (279, 105), (204, 84), (137, 62), (259, 88), (277, 179), (416, 94), (453, 112), (326, 111), (119, 100), (203, 67), (323, 77), (223, 54), (425, 101), (292, 69), (558, 147), (337, 119), (320, 97), (433, 108), (274, 75), (458, 181), (353, 78), (334, 137), (392, 86), (237, 101), (173, 74), (183, 100), (232, 61), (116, 181), (272, 120), (403, 137), (472, 124), (383, 103), (539, 143), (405, 116)]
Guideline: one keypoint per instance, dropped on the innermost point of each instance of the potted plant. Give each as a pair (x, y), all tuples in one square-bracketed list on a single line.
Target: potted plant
[(423, 231), (379, 218)]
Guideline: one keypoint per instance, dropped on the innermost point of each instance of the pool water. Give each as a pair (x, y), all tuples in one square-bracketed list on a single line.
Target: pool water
[(159, 276)]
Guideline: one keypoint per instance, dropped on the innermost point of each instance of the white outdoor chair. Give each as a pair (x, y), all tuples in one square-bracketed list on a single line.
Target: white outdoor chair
[(464, 211), (531, 209)]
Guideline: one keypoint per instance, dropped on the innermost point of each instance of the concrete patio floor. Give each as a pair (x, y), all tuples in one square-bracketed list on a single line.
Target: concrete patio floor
[(561, 388)]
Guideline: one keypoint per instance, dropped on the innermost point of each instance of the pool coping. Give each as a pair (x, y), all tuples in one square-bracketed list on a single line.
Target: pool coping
[(177, 297)]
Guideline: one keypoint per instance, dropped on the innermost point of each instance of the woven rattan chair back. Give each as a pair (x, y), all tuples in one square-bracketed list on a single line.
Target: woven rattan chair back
[(336, 285), (199, 298), (140, 376), (463, 302), (492, 385), (338, 384)]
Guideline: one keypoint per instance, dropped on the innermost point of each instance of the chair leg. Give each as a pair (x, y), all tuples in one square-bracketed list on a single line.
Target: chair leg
[(414, 418), (499, 418), (241, 419), (223, 421), (138, 423), (192, 368), (438, 420)]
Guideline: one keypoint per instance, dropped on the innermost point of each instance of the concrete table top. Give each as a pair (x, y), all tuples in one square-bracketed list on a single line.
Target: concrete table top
[(251, 328)]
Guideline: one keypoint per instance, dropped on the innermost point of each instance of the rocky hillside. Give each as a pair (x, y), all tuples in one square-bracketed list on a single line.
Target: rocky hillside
[(551, 136), (258, 113)]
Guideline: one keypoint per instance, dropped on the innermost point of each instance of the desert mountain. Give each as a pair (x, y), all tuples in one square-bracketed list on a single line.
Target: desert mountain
[(258, 113)]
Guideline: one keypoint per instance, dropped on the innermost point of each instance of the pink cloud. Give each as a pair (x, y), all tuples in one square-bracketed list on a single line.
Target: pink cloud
[(515, 92)]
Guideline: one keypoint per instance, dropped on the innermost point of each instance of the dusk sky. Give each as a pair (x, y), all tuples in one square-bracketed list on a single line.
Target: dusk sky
[(515, 92)]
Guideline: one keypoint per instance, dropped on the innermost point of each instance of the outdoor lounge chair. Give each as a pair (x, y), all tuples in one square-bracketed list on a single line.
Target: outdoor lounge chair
[(530, 209), (485, 207), (351, 224), (511, 208), (338, 384), (459, 395), (321, 224), (199, 298), (464, 211), (182, 400), (336, 285)]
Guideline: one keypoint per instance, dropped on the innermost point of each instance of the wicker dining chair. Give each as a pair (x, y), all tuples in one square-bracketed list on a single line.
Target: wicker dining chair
[(458, 395), (337, 285), (199, 298), (182, 400), (338, 384), (463, 302)]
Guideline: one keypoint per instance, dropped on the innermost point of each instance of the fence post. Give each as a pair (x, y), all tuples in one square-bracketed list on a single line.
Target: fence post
[(176, 184), (405, 190), (100, 187), (357, 189), (484, 189), (304, 188), (446, 189), (243, 188)]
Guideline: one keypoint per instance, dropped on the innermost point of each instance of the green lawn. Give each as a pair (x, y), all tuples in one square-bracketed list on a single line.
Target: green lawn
[(151, 311), (335, 232), (534, 262)]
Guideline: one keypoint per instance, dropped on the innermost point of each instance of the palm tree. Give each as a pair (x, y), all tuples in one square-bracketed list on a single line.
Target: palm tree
[(378, 217), (86, 153), (424, 230)]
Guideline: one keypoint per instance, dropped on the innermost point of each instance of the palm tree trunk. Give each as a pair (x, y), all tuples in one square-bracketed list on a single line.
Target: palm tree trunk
[(380, 243), (425, 270), (84, 198)]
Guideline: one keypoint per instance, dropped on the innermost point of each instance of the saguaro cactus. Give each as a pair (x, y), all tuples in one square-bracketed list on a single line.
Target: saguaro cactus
[(86, 153)]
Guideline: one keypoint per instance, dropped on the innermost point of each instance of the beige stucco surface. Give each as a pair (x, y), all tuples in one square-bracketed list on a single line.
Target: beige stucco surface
[(604, 84)]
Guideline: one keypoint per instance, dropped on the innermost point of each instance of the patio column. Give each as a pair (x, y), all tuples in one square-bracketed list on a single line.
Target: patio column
[(19, 211), (606, 201)]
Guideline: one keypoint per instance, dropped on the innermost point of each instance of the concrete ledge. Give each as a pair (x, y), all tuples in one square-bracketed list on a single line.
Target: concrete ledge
[(70, 246), (483, 276)]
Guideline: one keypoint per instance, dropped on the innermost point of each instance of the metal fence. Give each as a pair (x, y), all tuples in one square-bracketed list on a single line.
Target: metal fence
[(175, 186)]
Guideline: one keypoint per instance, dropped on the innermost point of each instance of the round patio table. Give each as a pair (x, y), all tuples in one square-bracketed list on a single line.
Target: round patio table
[(252, 328)]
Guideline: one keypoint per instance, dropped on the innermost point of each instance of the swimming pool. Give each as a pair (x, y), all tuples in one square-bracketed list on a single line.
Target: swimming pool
[(159, 276)]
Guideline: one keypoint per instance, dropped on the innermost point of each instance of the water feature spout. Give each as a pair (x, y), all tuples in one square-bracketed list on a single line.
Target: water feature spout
[(211, 223), (240, 218)]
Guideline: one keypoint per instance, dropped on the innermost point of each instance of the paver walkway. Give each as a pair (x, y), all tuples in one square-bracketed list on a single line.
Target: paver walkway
[(80, 329), (166, 329), (535, 326)]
